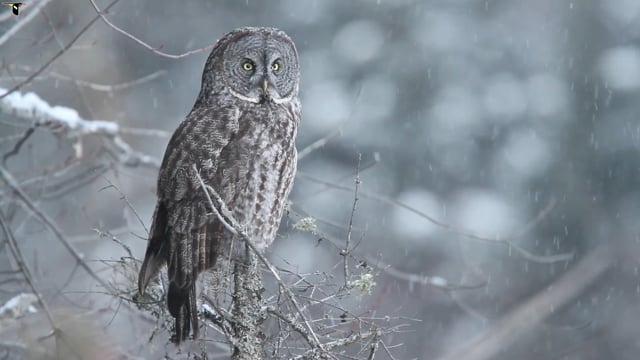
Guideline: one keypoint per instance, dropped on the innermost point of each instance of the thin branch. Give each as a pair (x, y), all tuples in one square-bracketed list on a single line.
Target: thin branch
[(453, 295), (220, 317), (126, 200), (24, 268), (468, 234), (57, 55), (155, 50), (114, 87), (435, 281), (18, 144), (374, 346), (340, 343), (291, 322), (92, 85), (318, 144), (387, 351), (63, 186), (80, 179), (345, 252), (207, 190), (53, 227), (23, 22)]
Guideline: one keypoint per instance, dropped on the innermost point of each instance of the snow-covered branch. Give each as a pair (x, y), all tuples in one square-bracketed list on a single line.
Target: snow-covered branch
[(67, 121)]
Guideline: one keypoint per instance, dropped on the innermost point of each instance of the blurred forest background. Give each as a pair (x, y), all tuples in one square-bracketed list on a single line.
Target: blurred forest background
[(514, 122)]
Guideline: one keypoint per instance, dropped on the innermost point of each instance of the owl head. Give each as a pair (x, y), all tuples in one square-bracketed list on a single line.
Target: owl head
[(255, 65)]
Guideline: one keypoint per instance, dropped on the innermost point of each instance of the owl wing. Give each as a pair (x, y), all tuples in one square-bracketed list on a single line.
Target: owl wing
[(183, 234)]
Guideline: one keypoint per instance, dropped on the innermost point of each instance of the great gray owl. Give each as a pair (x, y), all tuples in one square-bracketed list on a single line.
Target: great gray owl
[(240, 135)]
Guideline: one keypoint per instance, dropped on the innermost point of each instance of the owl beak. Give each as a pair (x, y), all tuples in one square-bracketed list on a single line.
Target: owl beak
[(265, 85)]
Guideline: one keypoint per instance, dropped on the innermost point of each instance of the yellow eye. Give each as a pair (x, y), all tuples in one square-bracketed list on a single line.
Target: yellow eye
[(275, 66), (247, 65)]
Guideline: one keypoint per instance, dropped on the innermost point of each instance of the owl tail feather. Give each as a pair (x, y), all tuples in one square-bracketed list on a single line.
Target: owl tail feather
[(151, 265), (155, 255), (182, 306)]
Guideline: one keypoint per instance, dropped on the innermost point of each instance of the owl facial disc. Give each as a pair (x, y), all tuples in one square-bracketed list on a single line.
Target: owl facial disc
[(261, 66)]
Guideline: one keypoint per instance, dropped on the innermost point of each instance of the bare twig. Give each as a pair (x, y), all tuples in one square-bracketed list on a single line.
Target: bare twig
[(53, 227), (126, 200), (24, 268), (340, 343), (57, 55), (468, 234), (114, 87), (23, 22), (435, 281), (387, 350), (291, 322), (318, 144), (346, 251), (155, 50), (18, 144), (64, 185), (375, 343), (26, 272), (222, 318), (91, 85)]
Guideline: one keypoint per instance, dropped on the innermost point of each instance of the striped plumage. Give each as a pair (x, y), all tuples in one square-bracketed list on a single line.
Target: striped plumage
[(240, 135)]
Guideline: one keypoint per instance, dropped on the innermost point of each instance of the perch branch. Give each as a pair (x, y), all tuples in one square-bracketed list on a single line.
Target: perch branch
[(235, 228)]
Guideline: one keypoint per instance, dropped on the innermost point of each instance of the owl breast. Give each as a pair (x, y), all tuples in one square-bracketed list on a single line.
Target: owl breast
[(259, 170)]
